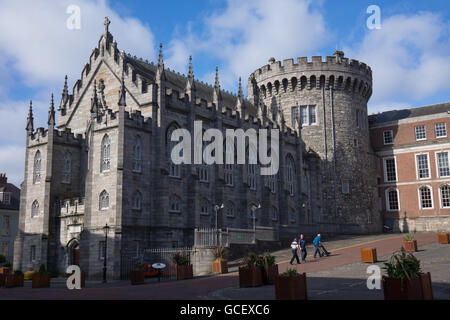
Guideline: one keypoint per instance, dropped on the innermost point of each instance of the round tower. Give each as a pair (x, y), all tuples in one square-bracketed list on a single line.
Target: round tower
[(329, 100)]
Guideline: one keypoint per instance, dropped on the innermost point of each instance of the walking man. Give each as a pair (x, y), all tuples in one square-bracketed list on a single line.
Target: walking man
[(294, 247), (302, 244), (316, 245)]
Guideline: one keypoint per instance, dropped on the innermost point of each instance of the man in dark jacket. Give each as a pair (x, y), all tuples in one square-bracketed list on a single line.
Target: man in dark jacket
[(302, 244)]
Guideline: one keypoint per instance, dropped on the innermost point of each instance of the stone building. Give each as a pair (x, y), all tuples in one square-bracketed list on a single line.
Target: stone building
[(9, 216), (106, 160), (413, 148)]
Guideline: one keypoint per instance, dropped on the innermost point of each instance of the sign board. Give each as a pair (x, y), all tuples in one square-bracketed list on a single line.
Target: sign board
[(158, 265)]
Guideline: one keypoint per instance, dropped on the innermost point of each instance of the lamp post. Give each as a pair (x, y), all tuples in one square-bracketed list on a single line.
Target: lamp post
[(254, 208), (105, 230), (216, 209)]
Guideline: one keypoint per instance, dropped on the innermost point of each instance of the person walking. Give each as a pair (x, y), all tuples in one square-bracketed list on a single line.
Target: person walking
[(302, 244), (316, 245), (294, 247)]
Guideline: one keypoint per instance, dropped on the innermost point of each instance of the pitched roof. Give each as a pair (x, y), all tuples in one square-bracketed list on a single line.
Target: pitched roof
[(396, 115)]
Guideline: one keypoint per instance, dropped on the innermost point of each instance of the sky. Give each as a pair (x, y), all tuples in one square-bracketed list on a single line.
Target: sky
[(41, 42)]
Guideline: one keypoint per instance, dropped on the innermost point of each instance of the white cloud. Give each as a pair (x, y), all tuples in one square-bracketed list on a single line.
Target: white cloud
[(42, 49), (409, 56), (247, 33), (12, 159)]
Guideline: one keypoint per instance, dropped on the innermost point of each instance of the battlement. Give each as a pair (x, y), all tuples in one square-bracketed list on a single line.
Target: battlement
[(317, 64), (71, 206)]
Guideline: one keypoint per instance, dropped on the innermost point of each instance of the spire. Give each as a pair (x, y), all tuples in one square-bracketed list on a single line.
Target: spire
[(217, 96), (64, 96), (30, 119), (190, 84), (240, 98), (51, 113), (122, 93), (160, 70), (94, 100), (107, 23)]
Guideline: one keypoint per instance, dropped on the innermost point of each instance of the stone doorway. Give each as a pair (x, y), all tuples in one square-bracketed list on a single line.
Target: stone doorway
[(73, 250)]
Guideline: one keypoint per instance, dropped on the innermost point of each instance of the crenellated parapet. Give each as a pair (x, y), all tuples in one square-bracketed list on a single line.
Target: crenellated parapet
[(72, 206), (335, 72)]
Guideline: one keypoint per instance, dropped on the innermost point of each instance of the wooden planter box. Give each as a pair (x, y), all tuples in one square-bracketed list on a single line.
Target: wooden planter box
[(271, 274), (5, 270), (219, 266), (410, 246), (137, 277), (418, 288), (291, 287), (2, 280), (40, 281), (250, 277), (443, 238), (368, 255), (83, 278), (185, 272)]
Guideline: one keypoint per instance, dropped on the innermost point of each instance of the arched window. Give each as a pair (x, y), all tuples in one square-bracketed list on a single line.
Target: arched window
[(274, 214), (35, 209), (392, 200), (426, 199), (228, 172), (204, 206), (137, 154), (445, 196), (174, 203), (67, 171), (251, 176), (137, 200), (174, 169), (37, 167), (203, 169), (290, 175), (292, 216), (105, 161), (270, 181), (104, 200), (230, 209)]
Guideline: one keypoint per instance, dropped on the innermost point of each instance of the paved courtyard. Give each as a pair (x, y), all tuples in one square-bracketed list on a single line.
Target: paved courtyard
[(339, 276)]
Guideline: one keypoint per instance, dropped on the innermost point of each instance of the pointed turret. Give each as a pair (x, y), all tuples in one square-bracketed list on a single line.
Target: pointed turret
[(160, 74), (217, 95), (94, 101), (30, 125), (51, 114), (64, 96), (240, 100), (190, 83), (122, 93)]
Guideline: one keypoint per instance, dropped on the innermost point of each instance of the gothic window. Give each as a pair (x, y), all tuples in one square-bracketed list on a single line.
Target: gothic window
[(392, 201), (294, 115), (137, 154), (426, 199), (304, 115), (445, 196), (312, 115), (105, 155), (174, 169), (251, 176), (35, 209), (37, 167), (104, 200), (33, 253), (204, 206), (270, 181), (274, 214), (230, 209), (67, 171), (228, 172), (175, 203), (290, 175), (203, 168), (137, 200)]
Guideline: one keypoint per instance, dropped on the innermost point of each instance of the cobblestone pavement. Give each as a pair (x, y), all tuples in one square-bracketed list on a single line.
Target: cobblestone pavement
[(338, 276)]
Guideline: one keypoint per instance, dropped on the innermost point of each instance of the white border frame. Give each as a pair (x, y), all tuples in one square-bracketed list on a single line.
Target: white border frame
[(425, 130), (385, 171), (440, 195), (420, 198), (386, 194), (428, 165), (437, 162), (384, 140), (445, 125)]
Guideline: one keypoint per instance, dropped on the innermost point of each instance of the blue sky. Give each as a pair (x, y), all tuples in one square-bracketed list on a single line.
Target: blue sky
[(409, 55)]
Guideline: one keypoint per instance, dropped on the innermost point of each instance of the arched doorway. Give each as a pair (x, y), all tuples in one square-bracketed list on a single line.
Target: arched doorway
[(73, 251)]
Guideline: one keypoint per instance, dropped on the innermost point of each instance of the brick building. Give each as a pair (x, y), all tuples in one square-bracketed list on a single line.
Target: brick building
[(9, 216), (413, 148)]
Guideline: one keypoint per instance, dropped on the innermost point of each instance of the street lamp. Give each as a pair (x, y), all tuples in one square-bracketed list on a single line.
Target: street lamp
[(216, 209), (254, 208), (105, 230)]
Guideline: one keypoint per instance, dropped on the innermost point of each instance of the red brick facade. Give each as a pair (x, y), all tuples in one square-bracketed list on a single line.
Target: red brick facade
[(414, 168)]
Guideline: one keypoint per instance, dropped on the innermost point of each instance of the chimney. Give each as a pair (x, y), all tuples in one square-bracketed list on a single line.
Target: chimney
[(3, 178)]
